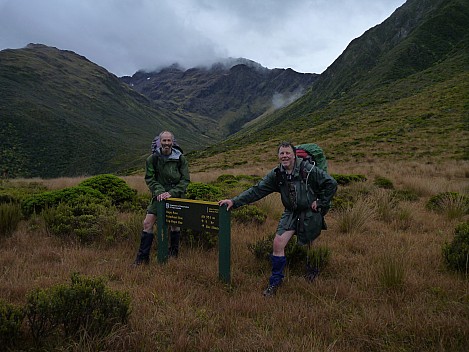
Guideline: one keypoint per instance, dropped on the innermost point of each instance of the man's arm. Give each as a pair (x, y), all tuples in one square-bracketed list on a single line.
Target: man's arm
[(265, 187), (325, 185)]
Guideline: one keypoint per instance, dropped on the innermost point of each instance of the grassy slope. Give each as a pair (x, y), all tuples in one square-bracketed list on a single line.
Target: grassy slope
[(408, 102), (63, 115)]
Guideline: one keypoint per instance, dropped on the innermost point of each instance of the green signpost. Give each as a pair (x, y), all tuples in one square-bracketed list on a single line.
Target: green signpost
[(198, 216)]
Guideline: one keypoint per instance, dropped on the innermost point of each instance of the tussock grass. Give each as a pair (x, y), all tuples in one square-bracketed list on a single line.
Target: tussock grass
[(385, 286), (391, 271), (455, 207), (355, 218)]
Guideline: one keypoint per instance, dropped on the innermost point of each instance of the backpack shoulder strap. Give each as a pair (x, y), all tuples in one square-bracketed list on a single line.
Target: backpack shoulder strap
[(280, 180), (155, 158)]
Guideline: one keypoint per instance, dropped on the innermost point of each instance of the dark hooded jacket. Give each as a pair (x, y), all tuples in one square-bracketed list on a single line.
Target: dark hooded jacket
[(167, 173), (310, 184)]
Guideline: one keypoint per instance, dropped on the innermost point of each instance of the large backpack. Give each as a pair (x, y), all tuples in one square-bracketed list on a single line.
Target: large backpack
[(313, 153)]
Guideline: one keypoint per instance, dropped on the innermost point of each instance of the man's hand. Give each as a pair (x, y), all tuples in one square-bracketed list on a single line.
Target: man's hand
[(163, 196), (314, 206), (227, 202)]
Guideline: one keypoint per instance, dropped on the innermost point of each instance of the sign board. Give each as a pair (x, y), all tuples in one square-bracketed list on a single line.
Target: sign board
[(200, 216), (194, 214)]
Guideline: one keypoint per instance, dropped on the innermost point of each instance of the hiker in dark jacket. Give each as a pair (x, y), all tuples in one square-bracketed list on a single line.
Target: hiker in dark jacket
[(306, 192), (167, 175)]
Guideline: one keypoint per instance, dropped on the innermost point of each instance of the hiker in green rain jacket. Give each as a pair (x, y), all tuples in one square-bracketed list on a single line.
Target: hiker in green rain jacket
[(166, 175), (306, 192)]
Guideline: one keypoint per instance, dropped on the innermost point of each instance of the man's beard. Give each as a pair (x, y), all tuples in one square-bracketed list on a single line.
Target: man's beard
[(166, 149)]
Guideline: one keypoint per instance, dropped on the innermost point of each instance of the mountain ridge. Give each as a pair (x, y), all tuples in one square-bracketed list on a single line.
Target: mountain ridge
[(231, 93)]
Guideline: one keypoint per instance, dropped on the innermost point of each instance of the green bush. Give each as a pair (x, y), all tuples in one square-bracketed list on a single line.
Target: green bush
[(456, 253), (235, 184), (111, 186), (383, 182), (11, 318), (86, 305), (203, 191), (84, 221), (345, 180), (249, 214), (405, 195), (36, 203), (10, 216), (227, 178)]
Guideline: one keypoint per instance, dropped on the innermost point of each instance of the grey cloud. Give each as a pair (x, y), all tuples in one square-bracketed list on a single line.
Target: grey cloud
[(127, 35)]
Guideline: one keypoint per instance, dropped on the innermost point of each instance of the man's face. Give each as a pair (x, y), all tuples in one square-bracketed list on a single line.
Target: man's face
[(166, 143), (286, 157)]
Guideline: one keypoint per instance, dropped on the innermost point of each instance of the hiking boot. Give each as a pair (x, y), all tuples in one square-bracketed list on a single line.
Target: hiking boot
[(270, 290), (174, 246), (143, 254)]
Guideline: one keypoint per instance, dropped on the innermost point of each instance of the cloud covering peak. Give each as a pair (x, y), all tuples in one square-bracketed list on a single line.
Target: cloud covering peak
[(125, 36)]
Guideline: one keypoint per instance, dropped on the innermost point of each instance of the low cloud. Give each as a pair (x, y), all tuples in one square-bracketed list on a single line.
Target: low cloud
[(280, 100)]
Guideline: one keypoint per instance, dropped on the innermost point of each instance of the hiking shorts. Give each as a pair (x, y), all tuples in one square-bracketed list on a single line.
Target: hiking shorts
[(306, 224)]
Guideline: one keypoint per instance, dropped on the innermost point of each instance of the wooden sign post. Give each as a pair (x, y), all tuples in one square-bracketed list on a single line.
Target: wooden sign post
[(198, 216)]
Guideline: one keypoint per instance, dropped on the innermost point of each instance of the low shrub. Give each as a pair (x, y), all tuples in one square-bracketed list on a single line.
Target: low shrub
[(36, 203), (227, 178), (345, 180), (231, 184), (249, 214), (11, 318), (383, 182), (456, 253), (83, 221), (407, 195), (203, 191), (111, 186), (86, 305)]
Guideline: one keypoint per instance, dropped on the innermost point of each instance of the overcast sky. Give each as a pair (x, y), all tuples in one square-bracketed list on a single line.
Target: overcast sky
[(125, 36)]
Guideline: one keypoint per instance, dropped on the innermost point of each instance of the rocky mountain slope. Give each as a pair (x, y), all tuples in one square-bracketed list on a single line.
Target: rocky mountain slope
[(231, 94)]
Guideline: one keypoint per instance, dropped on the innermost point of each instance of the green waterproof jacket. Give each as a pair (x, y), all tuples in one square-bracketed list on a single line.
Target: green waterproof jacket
[(167, 174), (310, 183)]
